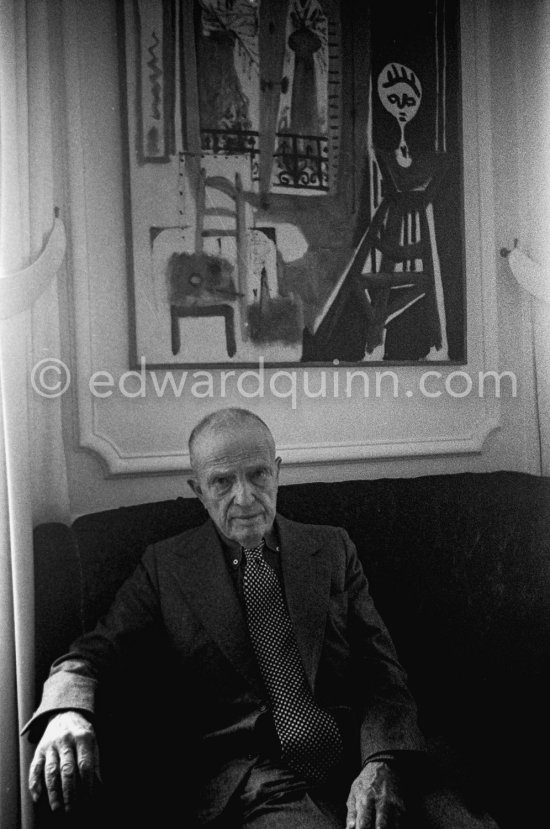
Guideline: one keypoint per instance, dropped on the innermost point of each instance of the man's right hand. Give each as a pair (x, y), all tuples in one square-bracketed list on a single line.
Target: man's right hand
[(66, 760)]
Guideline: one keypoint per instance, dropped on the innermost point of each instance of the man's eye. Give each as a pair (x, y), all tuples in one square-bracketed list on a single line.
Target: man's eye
[(260, 474), (220, 482)]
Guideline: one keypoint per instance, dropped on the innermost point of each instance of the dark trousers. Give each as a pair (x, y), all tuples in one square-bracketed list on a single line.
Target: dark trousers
[(272, 797)]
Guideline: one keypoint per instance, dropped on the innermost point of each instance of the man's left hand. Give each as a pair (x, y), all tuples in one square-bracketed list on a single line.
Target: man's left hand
[(375, 800)]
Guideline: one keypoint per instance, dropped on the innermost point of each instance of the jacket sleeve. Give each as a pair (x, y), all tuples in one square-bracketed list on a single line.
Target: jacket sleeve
[(74, 677), (386, 707)]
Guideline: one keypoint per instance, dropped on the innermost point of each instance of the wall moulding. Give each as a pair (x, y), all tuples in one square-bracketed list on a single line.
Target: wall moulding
[(143, 436)]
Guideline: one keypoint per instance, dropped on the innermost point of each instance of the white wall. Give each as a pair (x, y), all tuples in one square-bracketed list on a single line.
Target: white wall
[(527, 27), (96, 333)]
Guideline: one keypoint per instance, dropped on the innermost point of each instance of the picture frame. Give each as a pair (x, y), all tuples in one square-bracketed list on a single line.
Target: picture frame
[(294, 183)]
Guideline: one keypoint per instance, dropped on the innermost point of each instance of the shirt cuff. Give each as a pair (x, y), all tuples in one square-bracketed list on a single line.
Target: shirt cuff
[(381, 757)]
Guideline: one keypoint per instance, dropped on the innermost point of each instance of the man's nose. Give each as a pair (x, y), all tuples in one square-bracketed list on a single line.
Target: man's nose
[(243, 492)]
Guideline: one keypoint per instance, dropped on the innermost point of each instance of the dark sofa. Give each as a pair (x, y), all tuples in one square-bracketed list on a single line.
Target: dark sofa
[(459, 566)]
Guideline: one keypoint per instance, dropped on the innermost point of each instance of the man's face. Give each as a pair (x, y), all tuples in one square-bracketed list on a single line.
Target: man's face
[(236, 479)]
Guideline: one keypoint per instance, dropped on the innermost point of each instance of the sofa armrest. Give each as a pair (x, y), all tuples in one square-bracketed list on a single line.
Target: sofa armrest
[(58, 595)]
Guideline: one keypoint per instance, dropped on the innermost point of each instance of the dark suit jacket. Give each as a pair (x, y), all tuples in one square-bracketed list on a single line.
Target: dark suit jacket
[(182, 592)]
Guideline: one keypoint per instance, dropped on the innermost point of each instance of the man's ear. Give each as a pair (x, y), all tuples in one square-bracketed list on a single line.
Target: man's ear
[(278, 465)]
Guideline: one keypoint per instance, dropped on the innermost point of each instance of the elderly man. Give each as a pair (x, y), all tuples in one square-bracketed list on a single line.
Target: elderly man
[(299, 698)]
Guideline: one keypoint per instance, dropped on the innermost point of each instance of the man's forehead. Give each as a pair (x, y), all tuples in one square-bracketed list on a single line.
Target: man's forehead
[(238, 444)]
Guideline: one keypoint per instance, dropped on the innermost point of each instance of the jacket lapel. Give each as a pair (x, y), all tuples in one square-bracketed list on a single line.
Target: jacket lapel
[(306, 573), (204, 577)]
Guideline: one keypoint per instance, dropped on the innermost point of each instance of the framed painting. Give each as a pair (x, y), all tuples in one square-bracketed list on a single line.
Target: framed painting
[(294, 182)]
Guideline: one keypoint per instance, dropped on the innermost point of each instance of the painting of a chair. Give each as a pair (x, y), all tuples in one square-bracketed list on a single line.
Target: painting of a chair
[(202, 284)]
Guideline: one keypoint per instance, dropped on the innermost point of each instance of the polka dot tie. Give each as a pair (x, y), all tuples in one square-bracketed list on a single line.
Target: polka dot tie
[(310, 740)]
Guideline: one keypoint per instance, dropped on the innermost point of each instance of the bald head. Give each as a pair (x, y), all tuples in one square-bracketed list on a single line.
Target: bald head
[(227, 422), (236, 473)]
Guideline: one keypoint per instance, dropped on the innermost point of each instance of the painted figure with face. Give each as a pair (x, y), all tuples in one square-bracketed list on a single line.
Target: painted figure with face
[(400, 91)]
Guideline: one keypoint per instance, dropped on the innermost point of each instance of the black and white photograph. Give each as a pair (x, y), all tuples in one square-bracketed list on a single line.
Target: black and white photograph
[(274, 414)]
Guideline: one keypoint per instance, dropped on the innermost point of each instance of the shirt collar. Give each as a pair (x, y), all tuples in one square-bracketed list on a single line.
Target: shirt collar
[(233, 549)]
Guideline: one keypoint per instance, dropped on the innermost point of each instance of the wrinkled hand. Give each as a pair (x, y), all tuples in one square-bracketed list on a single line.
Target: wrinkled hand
[(66, 760), (375, 800)]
